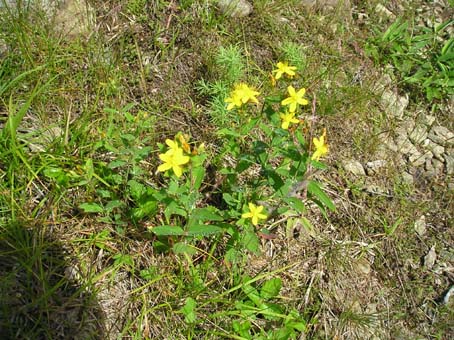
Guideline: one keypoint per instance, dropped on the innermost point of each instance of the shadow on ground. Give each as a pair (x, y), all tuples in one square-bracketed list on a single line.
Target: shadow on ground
[(40, 297)]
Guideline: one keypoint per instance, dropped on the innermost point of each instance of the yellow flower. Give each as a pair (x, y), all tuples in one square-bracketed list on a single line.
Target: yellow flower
[(321, 147), (284, 68), (247, 94), (173, 160), (288, 118), (254, 213), (295, 98), (173, 146), (241, 95), (233, 100)]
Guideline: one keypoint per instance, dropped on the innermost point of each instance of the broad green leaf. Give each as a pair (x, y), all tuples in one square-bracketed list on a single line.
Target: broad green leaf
[(206, 214), (123, 259), (149, 208), (112, 205), (300, 137), (128, 137), (202, 230), (89, 169), (271, 288), (167, 230), (116, 164), (251, 241), (314, 189), (183, 248), (242, 328), (174, 209), (136, 189), (189, 310), (91, 208), (296, 204), (199, 174), (252, 293), (148, 274)]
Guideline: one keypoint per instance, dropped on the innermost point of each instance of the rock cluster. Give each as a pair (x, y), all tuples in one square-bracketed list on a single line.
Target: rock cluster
[(72, 17), (235, 8), (419, 144)]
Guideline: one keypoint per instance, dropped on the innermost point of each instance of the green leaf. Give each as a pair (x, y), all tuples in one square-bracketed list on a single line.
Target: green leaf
[(246, 129), (100, 239), (123, 259), (199, 174), (116, 164), (206, 214), (174, 209), (148, 274), (300, 137), (148, 208), (227, 132), (202, 230), (136, 189), (251, 242), (128, 137), (167, 230), (314, 189), (189, 310), (252, 293), (271, 288), (242, 328), (110, 206), (91, 208), (183, 248), (296, 204), (89, 169)]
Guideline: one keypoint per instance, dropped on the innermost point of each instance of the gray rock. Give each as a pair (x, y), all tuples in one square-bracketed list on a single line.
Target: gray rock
[(427, 120), (328, 5), (394, 104), (384, 82), (235, 8), (354, 167), (74, 17), (405, 146), (375, 166), (420, 225), (448, 295), (436, 149), (418, 159), (418, 134), (383, 12), (362, 266), (434, 168), (387, 143), (45, 138), (449, 163), (438, 165), (3, 48), (430, 258), (441, 135), (405, 127), (48, 6), (407, 178), (376, 190)]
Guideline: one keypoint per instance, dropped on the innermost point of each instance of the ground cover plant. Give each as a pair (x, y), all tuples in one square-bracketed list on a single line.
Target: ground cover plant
[(169, 170)]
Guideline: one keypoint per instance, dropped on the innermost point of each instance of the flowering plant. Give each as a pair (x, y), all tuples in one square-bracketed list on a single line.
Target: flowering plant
[(261, 171)]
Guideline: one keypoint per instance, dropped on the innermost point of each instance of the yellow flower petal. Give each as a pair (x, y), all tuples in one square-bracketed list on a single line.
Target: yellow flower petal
[(254, 213), (164, 167)]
